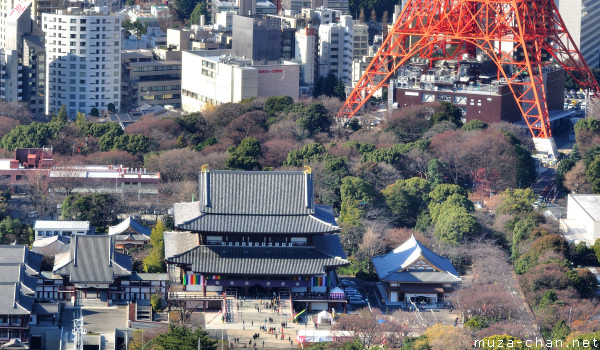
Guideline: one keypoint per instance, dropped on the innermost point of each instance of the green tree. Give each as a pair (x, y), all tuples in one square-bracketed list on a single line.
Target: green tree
[(563, 168), (526, 167), (474, 124), (447, 112), (560, 330), (245, 156), (199, 10), (139, 28), (278, 104), (593, 174), (339, 90), (62, 117), (185, 7), (156, 302), (130, 2), (314, 118), (111, 107), (12, 230), (94, 112), (455, 225), (329, 84), (548, 298), (357, 196), (517, 201), (584, 281), (596, 248), (306, 154), (406, 199), (521, 232), (453, 201), (330, 180), (34, 135), (435, 173), (183, 338), (154, 262), (100, 209)]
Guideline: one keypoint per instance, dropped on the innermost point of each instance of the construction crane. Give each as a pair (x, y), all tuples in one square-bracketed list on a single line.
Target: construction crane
[(522, 37)]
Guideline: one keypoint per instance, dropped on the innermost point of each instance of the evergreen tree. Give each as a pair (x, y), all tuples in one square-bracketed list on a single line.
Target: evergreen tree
[(154, 262), (199, 10), (340, 90)]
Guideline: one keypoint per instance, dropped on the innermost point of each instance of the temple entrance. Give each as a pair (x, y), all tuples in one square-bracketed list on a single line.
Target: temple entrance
[(256, 292)]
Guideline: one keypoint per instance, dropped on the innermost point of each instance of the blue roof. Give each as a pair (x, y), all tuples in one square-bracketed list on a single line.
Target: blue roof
[(392, 266)]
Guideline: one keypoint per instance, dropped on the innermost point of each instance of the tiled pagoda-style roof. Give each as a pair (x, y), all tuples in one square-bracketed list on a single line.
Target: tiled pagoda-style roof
[(273, 202)]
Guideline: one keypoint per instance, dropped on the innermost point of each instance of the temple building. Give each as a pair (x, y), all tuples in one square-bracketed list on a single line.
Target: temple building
[(414, 276), (256, 234)]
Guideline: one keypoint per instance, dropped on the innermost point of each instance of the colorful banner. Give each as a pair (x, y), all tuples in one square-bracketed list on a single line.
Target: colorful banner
[(301, 278), (192, 280), (319, 281), (213, 277)]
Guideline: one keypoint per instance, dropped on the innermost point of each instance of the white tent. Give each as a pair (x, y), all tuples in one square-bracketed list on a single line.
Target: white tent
[(323, 315)]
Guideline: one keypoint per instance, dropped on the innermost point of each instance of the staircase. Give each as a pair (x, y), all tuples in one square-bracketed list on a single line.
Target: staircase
[(143, 310), (286, 308), (229, 305)]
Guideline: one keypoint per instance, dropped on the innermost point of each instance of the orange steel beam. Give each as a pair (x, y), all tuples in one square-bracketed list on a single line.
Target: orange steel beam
[(514, 34)]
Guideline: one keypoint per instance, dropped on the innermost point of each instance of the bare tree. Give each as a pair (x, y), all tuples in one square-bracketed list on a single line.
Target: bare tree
[(576, 180), (65, 180)]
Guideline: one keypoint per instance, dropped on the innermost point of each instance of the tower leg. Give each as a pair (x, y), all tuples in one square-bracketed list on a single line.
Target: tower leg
[(546, 146)]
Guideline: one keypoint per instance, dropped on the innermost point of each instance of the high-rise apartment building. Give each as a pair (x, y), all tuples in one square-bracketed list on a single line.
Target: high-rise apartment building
[(581, 19), (83, 60), (15, 25), (336, 49)]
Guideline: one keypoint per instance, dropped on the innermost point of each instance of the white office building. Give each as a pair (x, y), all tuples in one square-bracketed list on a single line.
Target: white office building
[(581, 19), (336, 49), (212, 78), (306, 54), (83, 60), (50, 228)]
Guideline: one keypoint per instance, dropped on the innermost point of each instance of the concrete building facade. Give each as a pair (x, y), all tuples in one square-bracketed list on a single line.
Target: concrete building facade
[(306, 53), (581, 19), (336, 49), (83, 52), (209, 79), (146, 80), (257, 38)]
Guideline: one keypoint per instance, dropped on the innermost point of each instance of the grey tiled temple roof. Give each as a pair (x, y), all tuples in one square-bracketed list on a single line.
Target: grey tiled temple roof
[(258, 260), (92, 259), (13, 302), (10, 254), (274, 202), (177, 242), (394, 265), (15, 273)]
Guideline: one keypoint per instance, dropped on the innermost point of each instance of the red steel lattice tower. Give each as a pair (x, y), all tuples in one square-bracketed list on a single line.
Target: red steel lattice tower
[(522, 37)]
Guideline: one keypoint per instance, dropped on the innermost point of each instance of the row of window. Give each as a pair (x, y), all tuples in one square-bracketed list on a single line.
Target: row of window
[(160, 88), (160, 97), (157, 68), (198, 97)]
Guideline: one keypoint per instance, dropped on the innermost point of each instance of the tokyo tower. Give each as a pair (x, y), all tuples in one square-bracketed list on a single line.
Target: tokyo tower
[(524, 38)]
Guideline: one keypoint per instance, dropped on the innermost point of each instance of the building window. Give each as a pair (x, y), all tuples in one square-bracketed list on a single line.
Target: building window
[(428, 97), (443, 98)]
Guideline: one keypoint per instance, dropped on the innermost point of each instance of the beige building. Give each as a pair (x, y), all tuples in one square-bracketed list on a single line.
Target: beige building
[(215, 77)]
